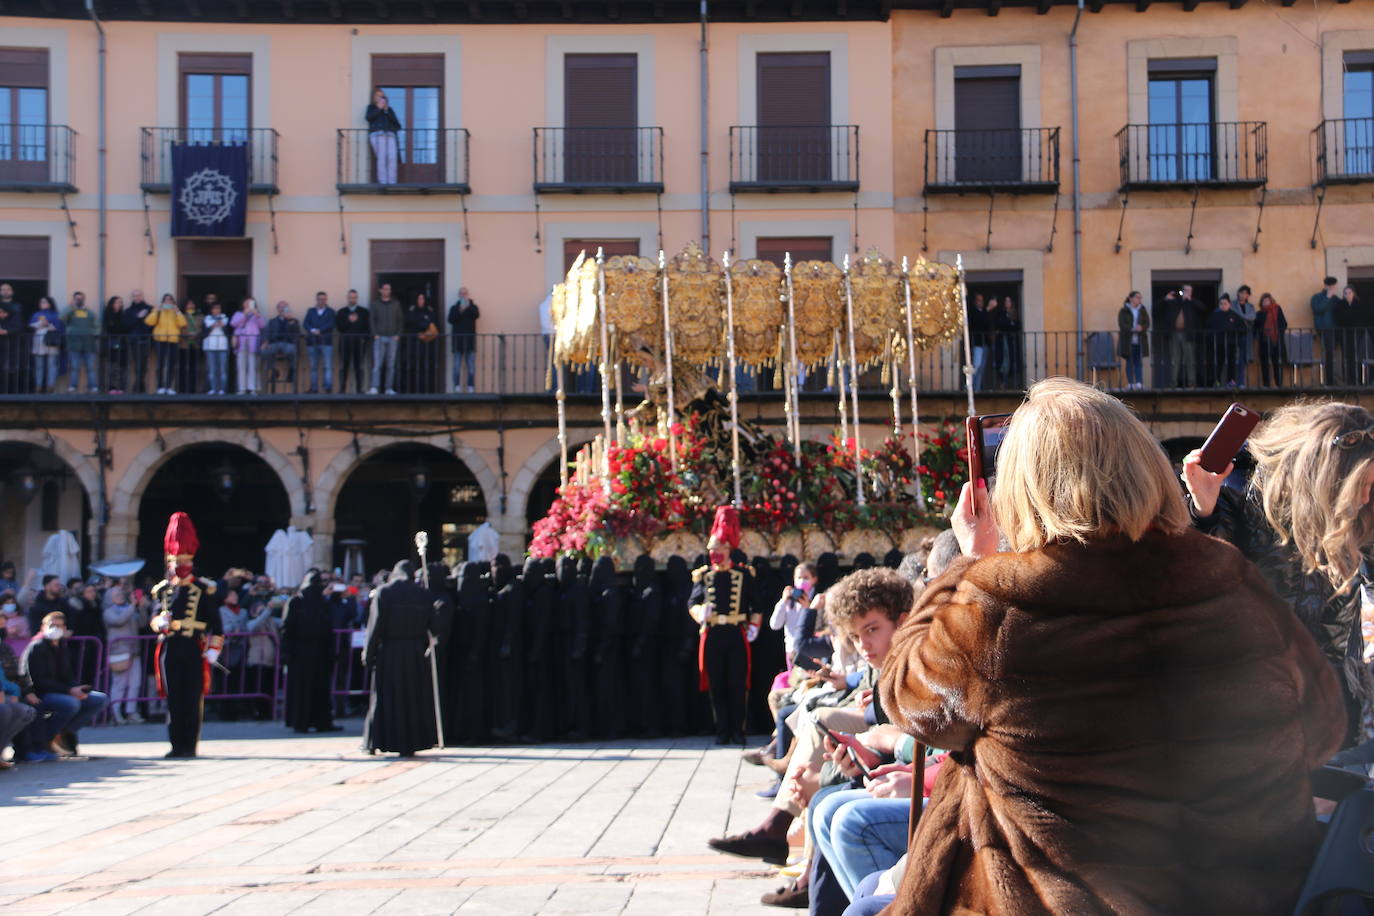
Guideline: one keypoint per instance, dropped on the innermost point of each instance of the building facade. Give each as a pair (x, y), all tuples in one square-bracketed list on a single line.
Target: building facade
[(1220, 144)]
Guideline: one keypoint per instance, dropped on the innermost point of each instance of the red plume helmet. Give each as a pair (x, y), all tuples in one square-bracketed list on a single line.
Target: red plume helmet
[(725, 531), (180, 543)]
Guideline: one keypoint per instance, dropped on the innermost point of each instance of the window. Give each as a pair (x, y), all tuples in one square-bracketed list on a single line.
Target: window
[(23, 113), (802, 248), (793, 141), (987, 123), (600, 117), (26, 268), (1181, 119), (411, 266), (611, 247), (216, 103), (220, 266), (1357, 98), (414, 87)]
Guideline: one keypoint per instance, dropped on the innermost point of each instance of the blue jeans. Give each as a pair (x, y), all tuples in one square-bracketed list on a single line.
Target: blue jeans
[(867, 903), (44, 371), (859, 834), (68, 713), (321, 355), (384, 356), (77, 361), (217, 369), (980, 361), (1135, 371), (470, 358)]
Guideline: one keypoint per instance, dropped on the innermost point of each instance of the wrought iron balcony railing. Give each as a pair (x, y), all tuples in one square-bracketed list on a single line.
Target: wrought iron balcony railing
[(420, 161), (598, 160), (1217, 154), (1345, 151), (259, 145), (37, 157), (772, 159), (1022, 161)]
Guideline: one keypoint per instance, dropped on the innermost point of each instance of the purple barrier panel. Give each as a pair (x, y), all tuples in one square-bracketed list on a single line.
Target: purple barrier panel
[(351, 681)]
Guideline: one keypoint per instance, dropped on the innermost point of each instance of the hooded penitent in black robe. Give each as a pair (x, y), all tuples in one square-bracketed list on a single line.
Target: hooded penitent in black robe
[(642, 616), (540, 702), (678, 650), (307, 651), (768, 654), (572, 617), (607, 664), (466, 693), (401, 714), (508, 639)]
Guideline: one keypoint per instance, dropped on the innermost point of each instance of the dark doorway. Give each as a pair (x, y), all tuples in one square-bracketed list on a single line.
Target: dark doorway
[(403, 489), (220, 266), (1360, 279), (405, 286), (987, 123), (1192, 368), (232, 289), (234, 498), (53, 498)]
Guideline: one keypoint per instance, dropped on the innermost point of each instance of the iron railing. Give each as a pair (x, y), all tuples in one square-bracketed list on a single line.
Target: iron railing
[(37, 157), (1016, 161), (517, 365), (1214, 154), (808, 158), (1345, 151), (259, 145), (581, 160), (427, 160)]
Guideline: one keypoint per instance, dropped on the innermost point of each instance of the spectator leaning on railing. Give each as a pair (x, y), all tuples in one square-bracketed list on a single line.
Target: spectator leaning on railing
[(46, 347), (215, 334), (387, 320), (282, 338), (11, 346), (188, 348), (462, 321), (247, 325), (115, 326), (168, 324), (319, 344), (354, 324), (83, 330), (139, 339)]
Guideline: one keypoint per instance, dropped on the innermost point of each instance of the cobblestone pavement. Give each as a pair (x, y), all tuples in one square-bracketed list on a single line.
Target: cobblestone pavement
[(266, 822)]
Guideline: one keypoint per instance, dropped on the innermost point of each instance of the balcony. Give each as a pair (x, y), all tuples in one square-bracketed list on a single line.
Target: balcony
[(1009, 161), (259, 145), (1219, 154), (780, 159), (37, 157), (1345, 151), (428, 162), (598, 160)]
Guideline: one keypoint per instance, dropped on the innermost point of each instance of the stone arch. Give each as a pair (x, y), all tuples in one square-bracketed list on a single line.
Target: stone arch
[(523, 480), (124, 499), (331, 481), (82, 465)]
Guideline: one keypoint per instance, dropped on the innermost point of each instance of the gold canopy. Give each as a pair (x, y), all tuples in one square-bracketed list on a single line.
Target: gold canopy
[(818, 306), (877, 287), (698, 306), (634, 307), (759, 312)]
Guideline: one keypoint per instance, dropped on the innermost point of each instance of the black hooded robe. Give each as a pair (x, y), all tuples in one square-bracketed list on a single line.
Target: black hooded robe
[(307, 651), (606, 662), (642, 629), (540, 718), (400, 716), (572, 615), (466, 682), (507, 630)]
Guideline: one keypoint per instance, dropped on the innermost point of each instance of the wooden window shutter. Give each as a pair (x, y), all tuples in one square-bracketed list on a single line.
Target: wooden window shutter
[(408, 256), (24, 68), (600, 90), (236, 64), (24, 258), (987, 102), (407, 70), (802, 248), (214, 257), (794, 89), (612, 247)]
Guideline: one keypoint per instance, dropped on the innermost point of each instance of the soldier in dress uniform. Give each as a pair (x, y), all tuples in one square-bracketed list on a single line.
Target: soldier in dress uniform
[(722, 604), (190, 636)]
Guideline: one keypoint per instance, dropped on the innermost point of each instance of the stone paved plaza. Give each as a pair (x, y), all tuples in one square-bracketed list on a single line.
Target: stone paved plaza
[(271, 822)]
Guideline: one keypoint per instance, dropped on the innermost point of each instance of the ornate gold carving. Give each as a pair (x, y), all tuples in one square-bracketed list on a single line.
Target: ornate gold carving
[(937, 313), (634, 307), (759, 311), (818, 302), (698, 308), (877, 286)]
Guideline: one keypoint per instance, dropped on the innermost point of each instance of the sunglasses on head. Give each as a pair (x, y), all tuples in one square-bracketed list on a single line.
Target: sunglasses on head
[(1353, 438)]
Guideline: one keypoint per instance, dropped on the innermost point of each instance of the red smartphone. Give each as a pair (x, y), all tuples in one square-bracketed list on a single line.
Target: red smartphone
[(1226, 439), (865, 758), (984, 435)]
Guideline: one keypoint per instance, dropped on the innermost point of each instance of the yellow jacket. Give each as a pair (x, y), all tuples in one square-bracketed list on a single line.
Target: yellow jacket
[(167, 324)]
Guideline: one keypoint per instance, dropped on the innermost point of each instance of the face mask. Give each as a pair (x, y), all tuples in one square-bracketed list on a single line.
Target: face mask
[(9, 608), (54, 632)]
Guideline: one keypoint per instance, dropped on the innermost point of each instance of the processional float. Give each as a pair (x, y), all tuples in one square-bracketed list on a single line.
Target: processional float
[(690, 313)]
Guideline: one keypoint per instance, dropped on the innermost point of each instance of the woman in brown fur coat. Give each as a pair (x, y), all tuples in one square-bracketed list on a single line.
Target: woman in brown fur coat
[(1132, 713)]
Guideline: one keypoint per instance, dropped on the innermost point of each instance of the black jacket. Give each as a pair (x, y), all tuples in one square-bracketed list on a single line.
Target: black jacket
[(48, 666), (133, 323), (362, 327), (383, 119), (462, 317)]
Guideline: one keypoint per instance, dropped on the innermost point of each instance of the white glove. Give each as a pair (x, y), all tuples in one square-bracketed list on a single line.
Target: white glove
[(212, 655), (751, 632), (162, 622)]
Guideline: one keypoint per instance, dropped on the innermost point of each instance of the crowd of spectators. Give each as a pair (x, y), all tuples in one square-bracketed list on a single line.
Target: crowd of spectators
[(216, 348)]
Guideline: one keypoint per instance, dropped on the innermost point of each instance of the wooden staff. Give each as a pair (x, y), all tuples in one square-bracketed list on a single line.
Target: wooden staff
[(854, 385), (911, 371), (734, 377), (668, 361), (605, 355), (968, 347), (794, 400)]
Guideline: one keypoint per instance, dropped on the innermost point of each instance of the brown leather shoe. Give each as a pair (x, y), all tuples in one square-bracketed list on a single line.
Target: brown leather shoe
[(759, 755), (792, 897), (752, 845)]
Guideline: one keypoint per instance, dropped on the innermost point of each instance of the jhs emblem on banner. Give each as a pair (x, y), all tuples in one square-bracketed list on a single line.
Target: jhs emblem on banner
[(209, 189), (208, 197)]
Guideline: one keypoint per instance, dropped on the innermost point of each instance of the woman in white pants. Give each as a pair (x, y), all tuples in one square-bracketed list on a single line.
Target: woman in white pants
[(122, 625), (382, 129), (247, 325)]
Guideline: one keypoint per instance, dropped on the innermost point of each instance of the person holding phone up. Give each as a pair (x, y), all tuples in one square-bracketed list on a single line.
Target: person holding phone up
[(791, 612)]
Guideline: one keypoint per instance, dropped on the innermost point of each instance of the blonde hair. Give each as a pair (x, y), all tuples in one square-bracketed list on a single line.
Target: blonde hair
[(1311, 490), (1077, 464)]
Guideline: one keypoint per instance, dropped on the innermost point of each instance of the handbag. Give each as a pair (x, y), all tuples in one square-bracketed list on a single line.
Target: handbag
[(430, 333), (52, 338)]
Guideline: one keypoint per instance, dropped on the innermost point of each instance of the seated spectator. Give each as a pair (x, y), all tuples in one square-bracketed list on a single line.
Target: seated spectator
[(17, 713), (68, 704), (280, 342), (1130, 710)]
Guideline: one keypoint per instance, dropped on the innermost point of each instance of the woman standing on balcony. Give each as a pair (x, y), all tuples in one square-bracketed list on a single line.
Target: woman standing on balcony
[(47, 345), (247, 325), (115, 323), (1133, 339), (1270, 327), (168, 325), (215, 342), (382, 129), (188, 371), (419, 347)]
